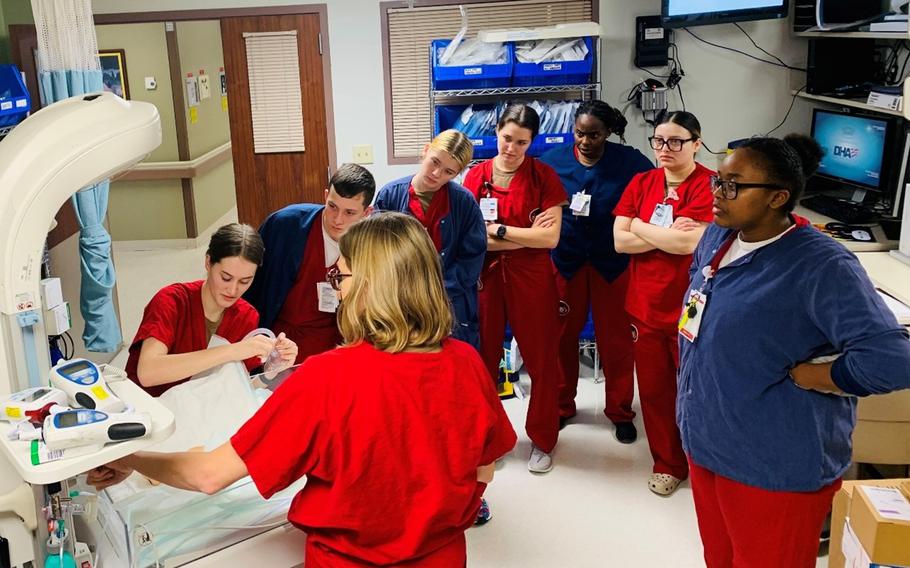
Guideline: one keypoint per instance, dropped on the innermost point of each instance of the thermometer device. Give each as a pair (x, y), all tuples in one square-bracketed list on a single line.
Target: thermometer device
[(84, 427), (83, 383), (18, 404)]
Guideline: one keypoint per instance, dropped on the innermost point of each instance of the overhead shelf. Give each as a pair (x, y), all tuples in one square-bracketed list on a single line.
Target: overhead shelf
[(856, 35), (515, 91), (853, 103)]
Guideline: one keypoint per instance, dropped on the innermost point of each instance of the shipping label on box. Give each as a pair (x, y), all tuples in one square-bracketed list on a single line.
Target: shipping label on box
[(889, 502)]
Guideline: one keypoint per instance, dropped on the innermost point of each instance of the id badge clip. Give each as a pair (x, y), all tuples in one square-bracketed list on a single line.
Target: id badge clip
[(328, 298), (690, 321), (489, 207), (662, 216), (581, 204)]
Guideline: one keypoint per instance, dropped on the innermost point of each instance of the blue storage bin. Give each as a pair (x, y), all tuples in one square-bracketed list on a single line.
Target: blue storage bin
[(471, 76), (14, 99), (555, 72), (543, 142), (447, 116)]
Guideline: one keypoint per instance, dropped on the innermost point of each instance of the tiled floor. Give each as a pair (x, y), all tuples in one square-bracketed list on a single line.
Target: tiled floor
[(593, 510)]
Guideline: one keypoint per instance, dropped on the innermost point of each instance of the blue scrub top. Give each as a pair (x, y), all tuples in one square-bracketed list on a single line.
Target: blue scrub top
[(740, 414), (590, 239)]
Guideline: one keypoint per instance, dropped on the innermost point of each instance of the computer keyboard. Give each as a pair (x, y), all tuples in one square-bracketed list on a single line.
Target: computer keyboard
[(839, 209)]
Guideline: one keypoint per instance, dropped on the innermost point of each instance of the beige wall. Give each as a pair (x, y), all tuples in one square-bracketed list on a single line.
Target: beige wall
[(146, 210), (200, 48), (199, 44)]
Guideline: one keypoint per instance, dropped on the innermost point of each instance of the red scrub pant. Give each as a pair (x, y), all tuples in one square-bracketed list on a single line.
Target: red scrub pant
[(587, 288), (656, 363), (521, 288), (743, 526)]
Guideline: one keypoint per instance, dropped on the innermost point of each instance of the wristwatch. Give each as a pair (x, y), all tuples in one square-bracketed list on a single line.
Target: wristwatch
[(501, 232)]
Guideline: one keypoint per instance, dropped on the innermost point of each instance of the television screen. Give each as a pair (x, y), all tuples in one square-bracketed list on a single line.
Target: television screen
[(680, 13), (854, 147)]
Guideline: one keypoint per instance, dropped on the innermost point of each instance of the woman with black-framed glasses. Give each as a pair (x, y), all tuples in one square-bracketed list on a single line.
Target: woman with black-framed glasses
[(659, 220), (781, 330)]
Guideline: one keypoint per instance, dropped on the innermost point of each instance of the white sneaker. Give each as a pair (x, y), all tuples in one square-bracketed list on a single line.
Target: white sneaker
[(540, 461)]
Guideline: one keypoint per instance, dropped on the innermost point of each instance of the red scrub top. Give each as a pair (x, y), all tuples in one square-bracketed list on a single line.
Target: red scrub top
[(658, 279), (175, 317), (535, 188), (436, 212), (301, 321), (390, 445)]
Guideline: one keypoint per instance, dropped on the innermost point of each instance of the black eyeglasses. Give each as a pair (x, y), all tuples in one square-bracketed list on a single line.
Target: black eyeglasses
[(674, 144), (334, 278), (729, 189)]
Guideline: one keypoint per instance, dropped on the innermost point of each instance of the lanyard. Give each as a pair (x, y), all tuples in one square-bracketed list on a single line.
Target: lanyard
[(711, 268)]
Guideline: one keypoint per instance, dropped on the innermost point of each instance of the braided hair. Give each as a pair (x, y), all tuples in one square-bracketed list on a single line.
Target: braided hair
[(612, 119)]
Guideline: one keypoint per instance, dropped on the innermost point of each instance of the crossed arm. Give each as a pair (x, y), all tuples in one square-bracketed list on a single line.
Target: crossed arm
[(543, 233), (631, 235)]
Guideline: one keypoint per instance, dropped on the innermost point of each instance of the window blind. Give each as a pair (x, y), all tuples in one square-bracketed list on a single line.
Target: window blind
[(277, 107)]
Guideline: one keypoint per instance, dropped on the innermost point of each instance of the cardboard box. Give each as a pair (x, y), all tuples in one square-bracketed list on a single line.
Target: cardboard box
[(880, 519), (841, 507), (855, 554)]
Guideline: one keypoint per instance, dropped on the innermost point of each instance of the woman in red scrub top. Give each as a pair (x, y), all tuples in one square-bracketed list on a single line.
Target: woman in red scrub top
[(396, 431), (659, 221), (173, 340), (521, 199)]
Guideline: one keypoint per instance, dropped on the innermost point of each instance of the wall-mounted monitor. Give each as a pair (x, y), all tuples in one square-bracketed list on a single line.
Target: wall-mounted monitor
[(682, 13)]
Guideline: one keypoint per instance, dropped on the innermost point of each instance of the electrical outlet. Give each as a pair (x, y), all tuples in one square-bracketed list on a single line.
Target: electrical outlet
[(363, 154), (150, 84)]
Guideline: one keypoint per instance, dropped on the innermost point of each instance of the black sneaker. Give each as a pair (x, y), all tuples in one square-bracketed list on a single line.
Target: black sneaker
[(625, 432)]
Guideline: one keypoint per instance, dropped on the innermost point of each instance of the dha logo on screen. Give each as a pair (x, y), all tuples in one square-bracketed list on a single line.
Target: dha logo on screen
[(848, 152)]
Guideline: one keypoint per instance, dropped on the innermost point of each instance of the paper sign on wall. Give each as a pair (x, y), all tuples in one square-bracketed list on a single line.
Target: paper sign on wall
[(223, 80), (192, 91), (205, 91), (194, 115)]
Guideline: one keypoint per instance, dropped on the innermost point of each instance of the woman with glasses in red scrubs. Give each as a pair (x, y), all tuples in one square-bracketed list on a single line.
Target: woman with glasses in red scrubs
[(659, 220)]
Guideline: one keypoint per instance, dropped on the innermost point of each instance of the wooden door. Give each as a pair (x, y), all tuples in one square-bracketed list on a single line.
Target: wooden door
[(267, 182)]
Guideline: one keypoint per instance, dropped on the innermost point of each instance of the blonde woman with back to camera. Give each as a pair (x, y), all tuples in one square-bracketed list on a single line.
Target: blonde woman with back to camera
[(396, 431)]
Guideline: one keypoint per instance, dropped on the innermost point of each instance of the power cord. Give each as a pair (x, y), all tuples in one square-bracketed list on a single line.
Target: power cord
[(777, 63), (763, 50), (792, 101), (674, 76)]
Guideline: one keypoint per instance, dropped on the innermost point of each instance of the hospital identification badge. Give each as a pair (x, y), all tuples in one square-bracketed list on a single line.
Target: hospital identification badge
[(691, 316), (662, 216), (328, 298), (581, 204), (489, 207)]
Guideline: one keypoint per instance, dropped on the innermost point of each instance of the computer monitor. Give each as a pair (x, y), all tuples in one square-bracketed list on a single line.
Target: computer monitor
[(682, 13), (858, 151)]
